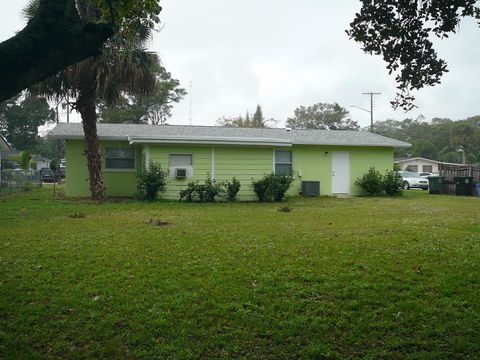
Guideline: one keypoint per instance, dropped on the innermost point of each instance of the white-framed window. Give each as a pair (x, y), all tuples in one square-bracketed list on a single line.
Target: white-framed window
[(283, 162), (120, 158), (181, 161), (427, 168)]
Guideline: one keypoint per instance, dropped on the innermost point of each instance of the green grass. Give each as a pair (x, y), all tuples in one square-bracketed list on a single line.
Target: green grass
[(334, 278)]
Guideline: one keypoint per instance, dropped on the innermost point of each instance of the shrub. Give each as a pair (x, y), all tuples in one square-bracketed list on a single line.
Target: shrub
[(392, 183), (231, 189), (272, 187), (260, 187), (371, 182), (207, 192), (151, 181)]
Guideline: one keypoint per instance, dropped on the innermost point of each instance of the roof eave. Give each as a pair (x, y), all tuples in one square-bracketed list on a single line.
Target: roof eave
[(404, 145), (209, 141)]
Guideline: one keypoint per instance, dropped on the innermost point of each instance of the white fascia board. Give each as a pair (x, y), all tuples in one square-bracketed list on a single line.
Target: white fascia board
[(82, 137), (209, 141), (405, 145)]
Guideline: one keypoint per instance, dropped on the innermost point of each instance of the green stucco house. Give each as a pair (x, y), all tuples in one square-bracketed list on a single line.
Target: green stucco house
[(330, 160)]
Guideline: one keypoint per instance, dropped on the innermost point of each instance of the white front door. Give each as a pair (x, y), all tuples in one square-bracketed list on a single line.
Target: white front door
[(341, 172)]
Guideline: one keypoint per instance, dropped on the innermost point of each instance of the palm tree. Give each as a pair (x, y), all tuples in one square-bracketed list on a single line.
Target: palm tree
[(123, 67)]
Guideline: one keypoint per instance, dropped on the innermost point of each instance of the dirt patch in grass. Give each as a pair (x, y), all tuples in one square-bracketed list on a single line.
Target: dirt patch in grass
[(157, 222)]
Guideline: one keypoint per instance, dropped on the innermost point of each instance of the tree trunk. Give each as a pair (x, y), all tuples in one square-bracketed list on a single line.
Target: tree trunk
[(86, 106), (52, 40)]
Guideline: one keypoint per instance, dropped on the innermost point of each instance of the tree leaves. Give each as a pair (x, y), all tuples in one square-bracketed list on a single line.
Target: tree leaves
[(322, 116), (401, 32)]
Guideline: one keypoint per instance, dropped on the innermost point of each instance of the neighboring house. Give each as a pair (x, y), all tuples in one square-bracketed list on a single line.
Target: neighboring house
[(418, 164), (333, 158), (40, 162), (4, 147)]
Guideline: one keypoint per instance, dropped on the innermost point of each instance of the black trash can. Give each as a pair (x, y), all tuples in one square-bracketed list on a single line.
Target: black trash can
[(436, 185), (464, 185)]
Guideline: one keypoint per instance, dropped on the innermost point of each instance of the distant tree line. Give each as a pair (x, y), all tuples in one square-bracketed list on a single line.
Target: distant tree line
[(441, 139), (247, 121), (318, 116)]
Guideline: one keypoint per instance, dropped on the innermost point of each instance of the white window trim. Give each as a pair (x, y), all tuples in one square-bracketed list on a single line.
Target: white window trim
[(147, 156), (104, 163), (274, 160)]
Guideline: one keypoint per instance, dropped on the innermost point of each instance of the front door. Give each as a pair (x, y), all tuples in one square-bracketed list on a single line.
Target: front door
[(341, 172)]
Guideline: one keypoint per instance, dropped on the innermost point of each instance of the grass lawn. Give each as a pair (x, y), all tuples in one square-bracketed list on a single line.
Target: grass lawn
[(333, 278)]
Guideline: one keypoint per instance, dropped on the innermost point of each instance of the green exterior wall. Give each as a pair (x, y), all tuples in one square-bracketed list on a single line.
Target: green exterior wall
[(313, 162), (201, 158), (118, 183), (245, 163)]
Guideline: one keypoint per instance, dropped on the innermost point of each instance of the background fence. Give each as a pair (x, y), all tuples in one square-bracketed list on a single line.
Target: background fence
[(13, 181), (450, 171)]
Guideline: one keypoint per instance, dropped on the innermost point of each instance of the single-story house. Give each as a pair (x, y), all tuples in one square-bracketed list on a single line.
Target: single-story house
[(40, 162), (328, 158), (4, 146), (419, 164)]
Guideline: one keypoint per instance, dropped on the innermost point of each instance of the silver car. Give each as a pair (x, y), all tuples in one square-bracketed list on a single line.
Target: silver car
[(413, 180)]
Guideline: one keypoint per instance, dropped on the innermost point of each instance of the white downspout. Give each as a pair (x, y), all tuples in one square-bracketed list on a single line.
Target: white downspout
[(213, 162)]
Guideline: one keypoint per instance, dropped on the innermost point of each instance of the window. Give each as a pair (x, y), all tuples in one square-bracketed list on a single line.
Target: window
[(120, 158), (178, 160), (427, 168), (181, 161), (412, 168), (283, 162)]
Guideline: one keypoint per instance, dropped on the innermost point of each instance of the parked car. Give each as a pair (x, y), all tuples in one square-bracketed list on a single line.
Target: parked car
[(413, 180), (47, 175)]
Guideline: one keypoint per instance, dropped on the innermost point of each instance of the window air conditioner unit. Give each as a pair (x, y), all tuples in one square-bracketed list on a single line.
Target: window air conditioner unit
[(181, 173), (311, 188)]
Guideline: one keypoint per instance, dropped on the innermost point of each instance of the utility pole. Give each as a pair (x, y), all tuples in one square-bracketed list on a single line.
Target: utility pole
[(372, 94)]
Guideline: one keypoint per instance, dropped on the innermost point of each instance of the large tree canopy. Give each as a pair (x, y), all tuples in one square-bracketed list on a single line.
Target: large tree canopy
[(57, 37), (401, 32), (154, 108), (20, 119), (322, 116)]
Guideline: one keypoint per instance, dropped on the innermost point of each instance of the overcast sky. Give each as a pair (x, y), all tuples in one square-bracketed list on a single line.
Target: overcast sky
[(283, 54)]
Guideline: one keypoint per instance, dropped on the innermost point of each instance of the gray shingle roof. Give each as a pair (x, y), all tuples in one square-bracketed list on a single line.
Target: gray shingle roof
[(206, 134)]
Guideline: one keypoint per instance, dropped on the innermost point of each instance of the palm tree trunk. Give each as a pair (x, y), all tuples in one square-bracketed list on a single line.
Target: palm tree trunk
[(86, 106)]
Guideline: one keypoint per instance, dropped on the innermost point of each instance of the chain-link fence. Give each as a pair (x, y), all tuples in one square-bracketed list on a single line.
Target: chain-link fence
[(14, 180)]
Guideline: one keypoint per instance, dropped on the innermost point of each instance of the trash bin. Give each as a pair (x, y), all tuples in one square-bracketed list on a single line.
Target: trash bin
[(464, 185), (436, 185), (478, 189)]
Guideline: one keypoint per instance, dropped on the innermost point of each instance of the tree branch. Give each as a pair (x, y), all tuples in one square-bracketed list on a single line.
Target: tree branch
[(54, 39)]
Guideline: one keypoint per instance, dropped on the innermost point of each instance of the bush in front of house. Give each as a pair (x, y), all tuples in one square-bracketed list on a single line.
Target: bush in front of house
[(231, 189), (206, 192), (151, 181), (272, 187), (371, 182), (260, 187), (392, 183)]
